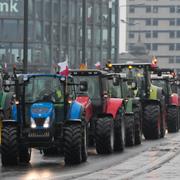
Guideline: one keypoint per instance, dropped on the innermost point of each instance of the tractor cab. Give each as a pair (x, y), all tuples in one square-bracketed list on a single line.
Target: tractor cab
[(97, 86)]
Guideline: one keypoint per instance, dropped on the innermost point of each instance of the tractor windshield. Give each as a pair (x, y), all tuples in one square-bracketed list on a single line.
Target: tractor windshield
[(93, 85), (163, 84), (115, 91), (44, 88)]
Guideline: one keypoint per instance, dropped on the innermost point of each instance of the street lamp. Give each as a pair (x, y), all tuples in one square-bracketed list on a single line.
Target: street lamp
[(25, 38), (110, 30), (83, 32)]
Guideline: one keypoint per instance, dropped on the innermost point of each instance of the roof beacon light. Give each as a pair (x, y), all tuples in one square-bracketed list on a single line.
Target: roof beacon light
[(154, 62)]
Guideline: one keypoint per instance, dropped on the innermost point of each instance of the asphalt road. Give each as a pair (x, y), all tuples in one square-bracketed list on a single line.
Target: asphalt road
[(54, 168)]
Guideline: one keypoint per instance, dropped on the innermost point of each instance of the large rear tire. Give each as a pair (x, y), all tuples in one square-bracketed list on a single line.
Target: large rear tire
[(9, 147), (72, 144), (172, 119), (151, 121), (105, 135), (130, 130)]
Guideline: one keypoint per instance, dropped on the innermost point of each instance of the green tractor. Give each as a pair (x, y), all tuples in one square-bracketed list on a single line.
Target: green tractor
[(151, 97), (120, 87)]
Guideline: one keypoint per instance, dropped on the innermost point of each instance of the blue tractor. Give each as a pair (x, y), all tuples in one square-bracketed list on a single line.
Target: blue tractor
[(44, 115)]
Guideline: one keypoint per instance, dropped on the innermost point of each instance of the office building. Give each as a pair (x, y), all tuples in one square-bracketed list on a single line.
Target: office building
[(157, 22), (55, 31)]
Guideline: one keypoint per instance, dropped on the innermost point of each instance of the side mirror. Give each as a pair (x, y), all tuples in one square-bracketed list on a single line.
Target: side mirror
[(115, 81), (83, 86)]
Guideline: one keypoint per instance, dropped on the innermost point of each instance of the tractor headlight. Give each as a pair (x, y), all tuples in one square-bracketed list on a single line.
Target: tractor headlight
[(46, 123), (33, 124)]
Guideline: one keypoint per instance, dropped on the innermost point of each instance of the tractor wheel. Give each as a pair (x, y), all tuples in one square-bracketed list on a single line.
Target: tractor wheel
[(24, 154), (9, 147), (91, 133), (119, 134), (72, 144), (138, 125), (172, 119), (151, 122), (163, 123), (84, 145), (130, 130), (104, 135)]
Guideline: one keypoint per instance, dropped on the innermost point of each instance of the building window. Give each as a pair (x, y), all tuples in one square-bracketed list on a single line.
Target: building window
[(148, 22), (154, 47), (155, 9), (172, 9), (148, 9), (178, 22), (178, 46), (148, 46), (178, 34), (177, 59), (171, 34), (171, 60), (131, 9), (148, 34), (155, 22), (171, 47), (178, 9), (104, 37), (172, 22), (155, 34), (131, 35)]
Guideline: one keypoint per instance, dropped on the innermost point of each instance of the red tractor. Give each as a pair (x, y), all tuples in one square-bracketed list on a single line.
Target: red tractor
[(165, 78), (106, 115)]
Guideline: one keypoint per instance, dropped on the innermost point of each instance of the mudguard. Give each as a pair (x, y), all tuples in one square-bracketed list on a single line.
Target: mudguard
[(75, 112), (174, 100), (87, 105), (14, 112), (112, 106)]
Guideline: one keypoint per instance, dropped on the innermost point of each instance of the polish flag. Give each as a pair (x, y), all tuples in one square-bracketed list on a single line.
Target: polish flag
[(64, 70), (98, 65)]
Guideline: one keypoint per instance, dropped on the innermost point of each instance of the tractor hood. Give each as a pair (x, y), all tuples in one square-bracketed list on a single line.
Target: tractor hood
[(41, 110)]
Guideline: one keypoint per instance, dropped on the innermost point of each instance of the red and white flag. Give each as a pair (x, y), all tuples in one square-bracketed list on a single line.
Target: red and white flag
[(64, 70), (98, 65)]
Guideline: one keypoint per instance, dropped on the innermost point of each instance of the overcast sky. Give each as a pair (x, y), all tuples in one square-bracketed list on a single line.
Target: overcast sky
[(122, 28)]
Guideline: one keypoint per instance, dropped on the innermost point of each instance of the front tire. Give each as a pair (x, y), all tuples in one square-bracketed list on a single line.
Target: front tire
[(104, 135), (138, 125), (72, 144), (9, 147), (130, 130), (24, 154), (119, 134), (84, 145)]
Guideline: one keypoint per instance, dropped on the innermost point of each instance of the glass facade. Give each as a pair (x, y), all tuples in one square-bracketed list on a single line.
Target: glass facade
[(55, 31)]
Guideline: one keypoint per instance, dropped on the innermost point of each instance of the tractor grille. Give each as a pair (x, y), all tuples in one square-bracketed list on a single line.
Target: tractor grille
[(39, 121), (39, 133)]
